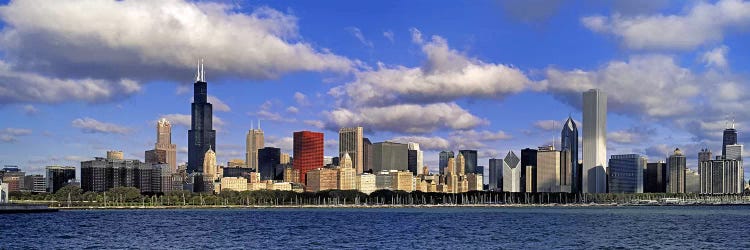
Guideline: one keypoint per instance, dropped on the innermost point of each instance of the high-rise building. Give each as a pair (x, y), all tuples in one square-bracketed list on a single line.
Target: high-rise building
[(284, 159), (552, 170), (366, 183), (351, 142), (733, 152), (201, 135), (721, 176), (569, 143), (704, 155), (626, 173), (321, 179), (209, 165), (164, 142), (156, 156), (655, 178), (496, 174), (59, 176), (268, 159), (470, 160), (347, 175), (102, 174), (34, 183), (676, 175), (308, 152), (416, 158), (443, 163), (114, 155), (460, 165), (729, 138), (390, 156), (594, 176), (511, 173), (367, 155), (254, 141), (528, 170)]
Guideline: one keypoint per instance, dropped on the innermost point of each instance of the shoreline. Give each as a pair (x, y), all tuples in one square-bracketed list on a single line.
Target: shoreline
[(350, 206)]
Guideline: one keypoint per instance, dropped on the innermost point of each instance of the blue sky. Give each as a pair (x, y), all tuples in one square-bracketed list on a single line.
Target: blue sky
[(485, 75)]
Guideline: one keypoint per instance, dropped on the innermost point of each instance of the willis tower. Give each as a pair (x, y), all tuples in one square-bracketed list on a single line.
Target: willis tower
[(201, 135)]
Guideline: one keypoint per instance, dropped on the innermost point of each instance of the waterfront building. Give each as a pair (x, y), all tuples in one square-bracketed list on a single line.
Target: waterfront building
[(443, 163), (626, 173), (511, 173), (496, 174), (528, 170), (268, 159), (164, 143), (201, 135), (351, 142), (308, 152), (721, 176), (460, 165), (114, 155), (102, 174), (34, 183), (384, 180), (594, 142), (4, 193), (254, 141), (238, 184), (415, 158), (704, 155), (366, 183), (59, 176), (347, 175), (209, 165), (552, 171), (291, 175), (403, 181), (321, 179), (692, 181), (569, 143), (676, 164), (15, 178), (390, 156), (655, 178), (475, 182), (470, 160)]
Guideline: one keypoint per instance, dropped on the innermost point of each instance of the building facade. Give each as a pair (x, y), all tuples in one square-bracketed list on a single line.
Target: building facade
[(626, 173), (569, 143), (655, 177), (59, 176), (351, 142), (308, 152), (254, 141), (268, 160), (594, 176), (164, 142), (443, 161), (416, 158), (496, 174), (201, 135), (676, 164), (470, 160), (528, 170), (390, 156), (511, 173)]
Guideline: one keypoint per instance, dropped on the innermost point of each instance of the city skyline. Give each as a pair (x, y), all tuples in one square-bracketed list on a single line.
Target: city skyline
[(330, 91)]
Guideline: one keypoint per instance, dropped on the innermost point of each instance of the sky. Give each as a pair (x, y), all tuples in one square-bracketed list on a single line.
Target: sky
[(78, 78)]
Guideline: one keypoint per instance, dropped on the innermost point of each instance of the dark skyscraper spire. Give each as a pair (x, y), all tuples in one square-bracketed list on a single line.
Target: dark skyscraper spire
[(201, 135), (569, 143), (729, 138)]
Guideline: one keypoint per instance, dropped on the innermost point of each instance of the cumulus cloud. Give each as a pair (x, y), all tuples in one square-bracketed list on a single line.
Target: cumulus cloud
[(10, 134), (472, 139), (406, 118), (701, 24), (315, 123), (284, 143), (634, 135), (446, 75), (361, 37), (58, 53), (716, 57), (425, 142), (265, 113), (90, 125), (667, 89)]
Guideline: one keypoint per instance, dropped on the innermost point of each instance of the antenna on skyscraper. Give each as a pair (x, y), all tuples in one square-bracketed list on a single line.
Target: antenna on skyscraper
[(258, 124)]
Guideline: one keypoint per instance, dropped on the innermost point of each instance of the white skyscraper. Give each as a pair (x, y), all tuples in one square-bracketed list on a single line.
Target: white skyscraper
[(594, 141), (511, 173), (351, 143), (420, 157)]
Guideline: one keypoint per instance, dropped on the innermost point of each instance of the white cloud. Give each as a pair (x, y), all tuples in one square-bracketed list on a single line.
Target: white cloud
[(157, 40), (716, 57), (425, 142), (548, 125), (701, 24), (669, 92), (634, 135), (406, 118), (30, 109), (301, 99), (292, 110), (315, 123), (446, 75), (389, 35), (416, 35), (361, 37), (265, 113), (90, 125), (9, 134), (284, 143)]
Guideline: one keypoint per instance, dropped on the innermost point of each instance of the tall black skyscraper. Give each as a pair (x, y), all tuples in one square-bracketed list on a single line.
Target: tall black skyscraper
[(201, 135), (730, 138), (268, 160), (528, 170), (443, 163), (569, 142), (470, 160)]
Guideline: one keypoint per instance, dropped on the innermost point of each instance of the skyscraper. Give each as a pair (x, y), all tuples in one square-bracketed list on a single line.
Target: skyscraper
[(390, 156), (729, 138), (209, 165), (733, 152), (676, 174), (626, 173), (569, 143), (416, 158), (496, 174), (58, 177), (704, 155), (307, 152), (444, 155), (201, 135), (470, 160), (511, 173), (655, 179), (528, 170), (164, 142), (253, 142), (351, 142), (366, 154), (268, 160), (594, 142)]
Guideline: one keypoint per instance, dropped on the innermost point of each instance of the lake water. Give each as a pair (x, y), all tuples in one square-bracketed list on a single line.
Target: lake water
[(435, 228)]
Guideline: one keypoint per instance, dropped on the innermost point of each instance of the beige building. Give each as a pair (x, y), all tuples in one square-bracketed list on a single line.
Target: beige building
[(463, 184), (284, 158), (236, 163), (548, 170), (403, 180), (253, 142), (351, 142), (475, 182), (460, 164), (366, 183), (114, 155), (209, 165), (234, 183), (291, 175), (164, 142), (347, 179), (321, 179)]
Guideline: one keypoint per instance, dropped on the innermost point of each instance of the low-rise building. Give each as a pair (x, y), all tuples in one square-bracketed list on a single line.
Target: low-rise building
[(366, 183), (234, 183)]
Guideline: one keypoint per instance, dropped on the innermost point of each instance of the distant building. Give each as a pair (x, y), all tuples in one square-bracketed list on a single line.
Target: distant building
[(156, 156), (733, 152), (254, 141), (390, 156), (285, 159), (553, 171), (236, 171), (528, 170), (594, 142), (347, 174), (201, 135), (367, 155), (210, 170), (102, 174), (268, 159), (58, 177), (366, 183), (34, 183), (729, 138), (475, 182), (444, 155), (351, 142), (470, 160), (511, 173), (4, 193), (496, 174), (655, 178), (569, 143), (721, 176), (236, 163), (403, 181), (704, 155), (291, 175), (626, 173), (308, 152), (676, 176), (321, 179), (415, 158), (234, 183), (164, 142), (479, 170), (692, 181), (114, 155)]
